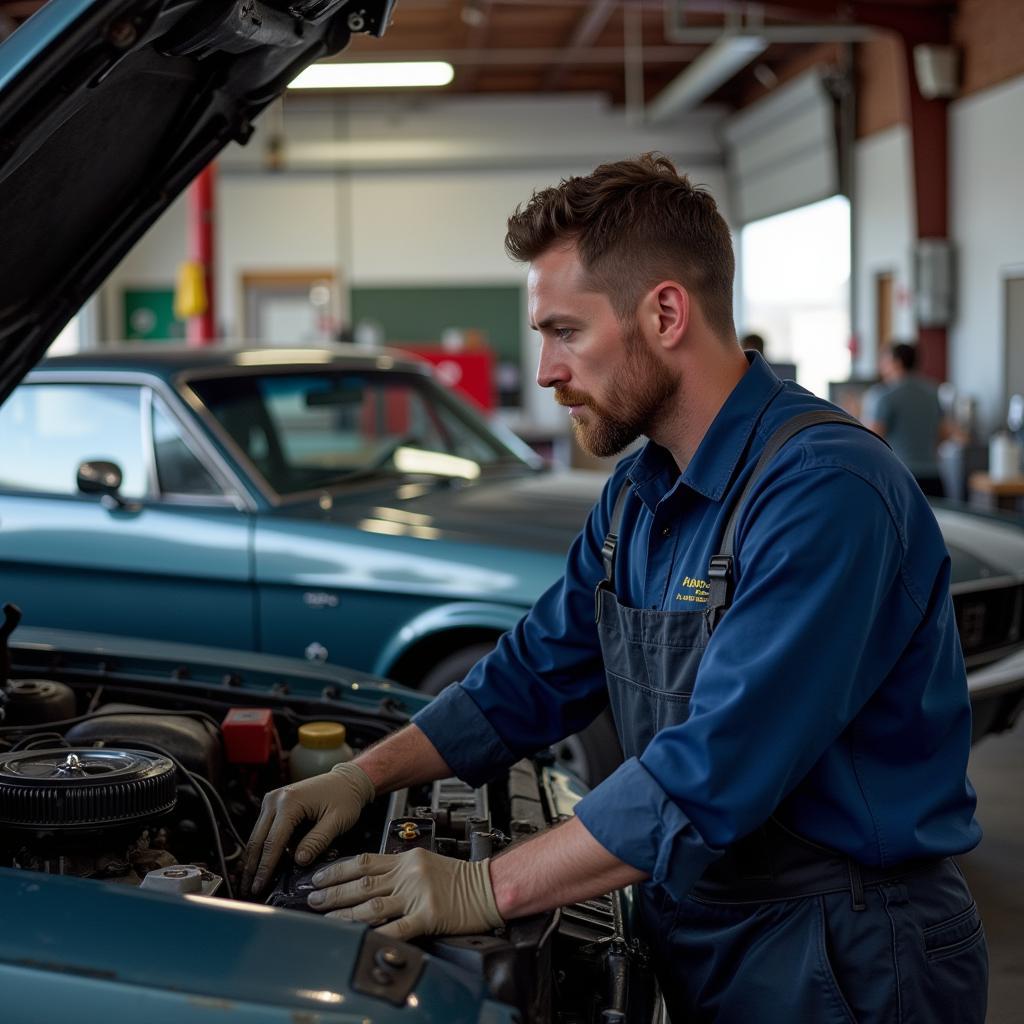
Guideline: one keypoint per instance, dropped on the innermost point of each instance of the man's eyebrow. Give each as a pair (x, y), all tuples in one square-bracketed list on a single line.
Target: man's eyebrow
[(556, 318)]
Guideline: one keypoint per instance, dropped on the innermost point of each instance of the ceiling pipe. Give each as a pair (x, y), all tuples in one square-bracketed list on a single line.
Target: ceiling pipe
[(733, 45), (633, 62), (523, 56), (713, 68), (748, 19)]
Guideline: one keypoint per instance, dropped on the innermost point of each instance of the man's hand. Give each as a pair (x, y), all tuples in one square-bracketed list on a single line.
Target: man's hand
[(418, 893), (333, 800)]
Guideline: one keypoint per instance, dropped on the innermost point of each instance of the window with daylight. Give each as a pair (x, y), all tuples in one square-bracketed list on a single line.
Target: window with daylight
[(795, 270)]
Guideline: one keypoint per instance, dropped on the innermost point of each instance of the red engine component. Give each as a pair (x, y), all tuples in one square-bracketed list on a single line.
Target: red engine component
[(248, 735)]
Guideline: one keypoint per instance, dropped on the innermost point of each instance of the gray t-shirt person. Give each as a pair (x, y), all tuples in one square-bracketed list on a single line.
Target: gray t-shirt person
[(910, 414)]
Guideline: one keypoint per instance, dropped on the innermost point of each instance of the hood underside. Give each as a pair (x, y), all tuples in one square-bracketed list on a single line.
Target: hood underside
[(108, 109)]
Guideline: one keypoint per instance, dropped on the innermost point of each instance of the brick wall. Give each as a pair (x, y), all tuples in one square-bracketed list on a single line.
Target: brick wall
[(991, 36)]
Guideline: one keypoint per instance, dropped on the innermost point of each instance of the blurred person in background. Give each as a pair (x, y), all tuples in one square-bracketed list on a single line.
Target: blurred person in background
[(905, 410), (755, 343), (752, 343)]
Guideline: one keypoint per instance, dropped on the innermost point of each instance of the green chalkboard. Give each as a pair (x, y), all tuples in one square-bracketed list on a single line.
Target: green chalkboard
[(420, 315), (149, 315)]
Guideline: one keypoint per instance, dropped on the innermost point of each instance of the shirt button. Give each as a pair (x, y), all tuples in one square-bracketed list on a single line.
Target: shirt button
[(665, 532)]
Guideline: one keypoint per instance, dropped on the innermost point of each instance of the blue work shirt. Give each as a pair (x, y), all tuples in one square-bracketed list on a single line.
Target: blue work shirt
[(833, 692)]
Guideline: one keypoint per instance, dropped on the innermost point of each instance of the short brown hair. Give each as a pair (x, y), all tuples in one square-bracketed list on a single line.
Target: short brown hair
[(634, 223)]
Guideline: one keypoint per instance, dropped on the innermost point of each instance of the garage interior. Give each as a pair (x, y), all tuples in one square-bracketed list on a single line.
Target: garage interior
[(868, 158)]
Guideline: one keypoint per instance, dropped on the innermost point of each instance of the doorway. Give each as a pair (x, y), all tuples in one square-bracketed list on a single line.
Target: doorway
[(290, 308)]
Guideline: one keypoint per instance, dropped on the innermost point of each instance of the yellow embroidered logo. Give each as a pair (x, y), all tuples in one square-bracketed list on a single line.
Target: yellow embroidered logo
[(694, 590)]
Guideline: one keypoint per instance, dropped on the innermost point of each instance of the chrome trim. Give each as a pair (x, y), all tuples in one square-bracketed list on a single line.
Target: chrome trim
[(994, 654), (984, 583), (173, 497), (213, 425), (236, 488), (1005, 675), (148, 448)]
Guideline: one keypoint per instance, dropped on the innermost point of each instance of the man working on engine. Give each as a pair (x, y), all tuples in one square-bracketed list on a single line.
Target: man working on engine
[(787, 685)]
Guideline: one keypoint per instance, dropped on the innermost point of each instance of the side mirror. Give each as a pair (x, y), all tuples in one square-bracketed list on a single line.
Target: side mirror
[(100, 478), (104, 479)]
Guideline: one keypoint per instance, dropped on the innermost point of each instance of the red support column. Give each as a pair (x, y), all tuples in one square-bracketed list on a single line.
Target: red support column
[(929, 134), (202, 328)]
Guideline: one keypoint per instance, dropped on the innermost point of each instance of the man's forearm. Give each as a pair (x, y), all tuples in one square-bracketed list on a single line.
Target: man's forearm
[(563, 865), (406, 758)]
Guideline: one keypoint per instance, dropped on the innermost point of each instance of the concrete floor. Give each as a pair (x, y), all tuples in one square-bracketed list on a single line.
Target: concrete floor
[(995, 869)]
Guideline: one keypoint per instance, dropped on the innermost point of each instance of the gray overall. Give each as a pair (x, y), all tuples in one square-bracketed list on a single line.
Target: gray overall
[(780, 929)]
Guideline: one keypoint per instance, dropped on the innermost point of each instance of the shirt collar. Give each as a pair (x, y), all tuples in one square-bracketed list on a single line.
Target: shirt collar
[(654, 472)]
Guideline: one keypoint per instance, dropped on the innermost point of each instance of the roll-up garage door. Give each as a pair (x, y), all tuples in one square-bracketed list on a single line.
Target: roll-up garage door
[(781, 151)]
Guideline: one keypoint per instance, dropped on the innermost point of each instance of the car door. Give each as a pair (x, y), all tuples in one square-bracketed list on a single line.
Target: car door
[(168, 559)]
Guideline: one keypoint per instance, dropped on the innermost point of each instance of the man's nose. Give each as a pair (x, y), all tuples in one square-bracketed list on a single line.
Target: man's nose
[(550, 372)]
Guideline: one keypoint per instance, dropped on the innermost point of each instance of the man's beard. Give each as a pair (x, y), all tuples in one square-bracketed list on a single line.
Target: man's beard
[(640, 393)]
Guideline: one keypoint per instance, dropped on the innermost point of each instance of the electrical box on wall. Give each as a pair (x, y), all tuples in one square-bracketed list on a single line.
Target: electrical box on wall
[(934, 281), (937, 69)]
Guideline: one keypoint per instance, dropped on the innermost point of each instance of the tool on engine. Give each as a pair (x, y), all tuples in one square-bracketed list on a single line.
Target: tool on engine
[(182, 880), (408, 833)]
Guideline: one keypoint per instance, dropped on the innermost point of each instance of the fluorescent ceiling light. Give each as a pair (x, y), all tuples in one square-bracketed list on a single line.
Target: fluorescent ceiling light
[(714, 67), (396, 75)]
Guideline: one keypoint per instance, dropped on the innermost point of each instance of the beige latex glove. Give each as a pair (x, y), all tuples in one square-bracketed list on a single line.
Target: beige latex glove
[(334, 800), (418, 893)]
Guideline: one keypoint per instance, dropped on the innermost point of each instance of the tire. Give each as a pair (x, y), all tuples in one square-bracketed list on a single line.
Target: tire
[(592, 754), (452, 668)]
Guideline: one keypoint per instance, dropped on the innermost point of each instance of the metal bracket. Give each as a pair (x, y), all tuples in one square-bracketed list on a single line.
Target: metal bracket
[(386, 969)]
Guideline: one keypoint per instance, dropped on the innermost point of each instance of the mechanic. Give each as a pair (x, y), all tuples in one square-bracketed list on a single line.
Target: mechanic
[(789, 690)]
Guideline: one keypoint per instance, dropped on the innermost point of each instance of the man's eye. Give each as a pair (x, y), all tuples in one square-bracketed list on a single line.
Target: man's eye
[(564, 333)]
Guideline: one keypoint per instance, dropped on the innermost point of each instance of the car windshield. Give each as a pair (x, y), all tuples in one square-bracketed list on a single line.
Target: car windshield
[(306, 431)]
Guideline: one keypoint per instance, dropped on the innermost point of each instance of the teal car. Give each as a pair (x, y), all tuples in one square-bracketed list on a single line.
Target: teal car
[(337, 506)]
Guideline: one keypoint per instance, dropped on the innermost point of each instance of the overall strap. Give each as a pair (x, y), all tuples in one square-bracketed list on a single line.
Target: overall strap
[(611, 542), (720, 571)]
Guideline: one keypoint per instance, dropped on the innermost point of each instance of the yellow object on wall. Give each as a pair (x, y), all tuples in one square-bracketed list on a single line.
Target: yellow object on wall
[(190, 297)]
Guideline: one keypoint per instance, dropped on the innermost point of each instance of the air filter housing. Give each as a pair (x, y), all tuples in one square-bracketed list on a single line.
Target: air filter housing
[(83, 788)]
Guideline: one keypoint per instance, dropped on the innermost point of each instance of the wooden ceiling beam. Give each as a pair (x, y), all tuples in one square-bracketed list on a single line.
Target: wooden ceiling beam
[(476, 39), (588, 28), (917, 19)]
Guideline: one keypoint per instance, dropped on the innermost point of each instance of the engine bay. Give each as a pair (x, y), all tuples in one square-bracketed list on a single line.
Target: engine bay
[(158, 787)]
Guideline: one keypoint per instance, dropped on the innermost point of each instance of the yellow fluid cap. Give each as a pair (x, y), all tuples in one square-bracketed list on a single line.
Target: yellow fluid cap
[(321, 735)]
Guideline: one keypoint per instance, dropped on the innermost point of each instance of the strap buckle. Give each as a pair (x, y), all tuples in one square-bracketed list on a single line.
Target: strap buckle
[(611, 542), (720, 567)]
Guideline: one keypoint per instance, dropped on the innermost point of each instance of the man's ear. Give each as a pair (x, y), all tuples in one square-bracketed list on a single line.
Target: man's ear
[(671, 302)]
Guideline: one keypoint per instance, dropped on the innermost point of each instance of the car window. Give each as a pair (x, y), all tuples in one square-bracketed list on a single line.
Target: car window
[(307, 430), (48, 430), (178, 469)]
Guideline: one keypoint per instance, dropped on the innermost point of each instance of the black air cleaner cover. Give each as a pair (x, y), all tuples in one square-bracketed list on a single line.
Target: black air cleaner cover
[(83, 788)]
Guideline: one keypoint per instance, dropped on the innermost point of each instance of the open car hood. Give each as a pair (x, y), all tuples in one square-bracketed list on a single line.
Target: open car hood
[(108, 109)]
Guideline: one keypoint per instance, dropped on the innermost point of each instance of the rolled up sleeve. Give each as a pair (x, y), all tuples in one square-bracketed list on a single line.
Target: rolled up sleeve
[(544, 680)]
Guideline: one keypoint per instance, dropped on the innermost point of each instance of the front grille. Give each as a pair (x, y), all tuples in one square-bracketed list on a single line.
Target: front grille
[(988, 620)]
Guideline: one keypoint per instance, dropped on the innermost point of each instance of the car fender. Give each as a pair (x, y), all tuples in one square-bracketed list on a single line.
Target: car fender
[(442, 619)]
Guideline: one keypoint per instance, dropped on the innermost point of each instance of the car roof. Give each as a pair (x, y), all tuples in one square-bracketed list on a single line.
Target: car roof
[(173, 361)]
